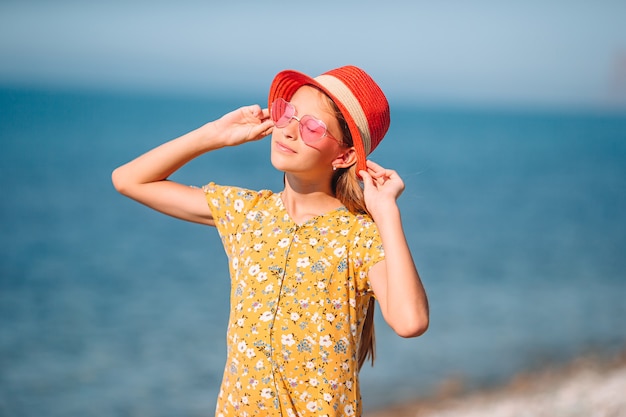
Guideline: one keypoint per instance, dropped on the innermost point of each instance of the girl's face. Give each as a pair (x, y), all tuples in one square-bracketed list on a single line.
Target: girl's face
[(291, 154)]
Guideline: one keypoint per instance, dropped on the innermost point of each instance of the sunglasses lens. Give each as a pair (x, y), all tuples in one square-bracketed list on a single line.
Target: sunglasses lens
[(281, 112), (311, 129)]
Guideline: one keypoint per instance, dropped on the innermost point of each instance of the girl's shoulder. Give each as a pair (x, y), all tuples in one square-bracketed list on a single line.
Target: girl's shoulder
[(360, 219), (354, 221), (233, 191), (241, 199)]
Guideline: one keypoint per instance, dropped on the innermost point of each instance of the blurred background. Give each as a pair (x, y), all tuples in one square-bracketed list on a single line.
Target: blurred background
[(508, 126)]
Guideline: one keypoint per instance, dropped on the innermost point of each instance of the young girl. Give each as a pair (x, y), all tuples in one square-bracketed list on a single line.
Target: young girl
[(306, 263)]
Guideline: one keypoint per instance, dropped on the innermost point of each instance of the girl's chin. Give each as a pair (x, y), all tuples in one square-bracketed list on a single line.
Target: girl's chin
[(283, 163)]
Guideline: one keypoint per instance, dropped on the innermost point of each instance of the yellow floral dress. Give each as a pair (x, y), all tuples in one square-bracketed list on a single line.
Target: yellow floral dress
[(299, 296)]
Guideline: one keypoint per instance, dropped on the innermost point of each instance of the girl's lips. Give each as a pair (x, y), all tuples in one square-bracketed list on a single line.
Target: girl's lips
[(284, 148)]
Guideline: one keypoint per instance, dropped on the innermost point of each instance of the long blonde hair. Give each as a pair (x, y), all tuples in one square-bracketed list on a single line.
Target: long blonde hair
[(349, 190)]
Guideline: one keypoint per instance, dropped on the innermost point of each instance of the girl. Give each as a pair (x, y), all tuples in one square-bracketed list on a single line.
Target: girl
[(307, 263)]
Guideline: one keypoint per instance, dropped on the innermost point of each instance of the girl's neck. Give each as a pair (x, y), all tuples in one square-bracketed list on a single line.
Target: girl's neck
[(305, 200)]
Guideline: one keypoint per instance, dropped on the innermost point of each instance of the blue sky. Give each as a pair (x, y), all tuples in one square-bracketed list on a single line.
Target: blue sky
[(513, 53)]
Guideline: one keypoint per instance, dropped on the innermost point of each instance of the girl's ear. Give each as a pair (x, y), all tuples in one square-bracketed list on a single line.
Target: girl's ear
[(345, 159)]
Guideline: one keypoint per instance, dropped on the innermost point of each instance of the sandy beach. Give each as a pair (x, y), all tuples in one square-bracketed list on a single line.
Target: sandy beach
[(588, 387)]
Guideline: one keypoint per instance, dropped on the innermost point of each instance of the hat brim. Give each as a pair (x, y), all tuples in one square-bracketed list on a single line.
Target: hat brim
[(287, 82)]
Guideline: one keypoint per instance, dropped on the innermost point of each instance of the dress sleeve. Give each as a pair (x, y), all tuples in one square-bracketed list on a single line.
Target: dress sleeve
[(367, 251), (229, 206)]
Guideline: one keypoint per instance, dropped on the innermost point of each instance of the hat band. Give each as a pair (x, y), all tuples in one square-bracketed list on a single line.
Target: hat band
[(349, 100)]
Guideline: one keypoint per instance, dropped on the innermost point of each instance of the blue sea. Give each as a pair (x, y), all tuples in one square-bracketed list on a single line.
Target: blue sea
[(516, 219)]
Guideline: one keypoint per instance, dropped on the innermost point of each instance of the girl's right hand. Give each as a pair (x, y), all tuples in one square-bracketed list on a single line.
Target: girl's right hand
[(246, 124)]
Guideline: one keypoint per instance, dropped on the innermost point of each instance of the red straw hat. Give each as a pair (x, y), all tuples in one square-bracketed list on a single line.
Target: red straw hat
[(359, 98)]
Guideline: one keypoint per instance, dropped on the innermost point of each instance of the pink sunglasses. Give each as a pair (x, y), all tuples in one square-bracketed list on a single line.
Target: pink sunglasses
[(311, 129)]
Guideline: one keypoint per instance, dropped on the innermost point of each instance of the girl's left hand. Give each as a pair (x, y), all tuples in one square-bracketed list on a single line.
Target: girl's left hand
[(380, 186)]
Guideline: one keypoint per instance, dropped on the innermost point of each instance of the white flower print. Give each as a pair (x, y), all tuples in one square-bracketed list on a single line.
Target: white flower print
[(312, 406), (283, 243), (312, 241), (287, 339), (261, 276), (257, 246), (294, 316), (315, 318), (241, 347), (266, 316), (303, 262), (250, 353), (325, 341), (349, 410), (240, 322), (340, 251), (330, 317), (238, 205), (327, 397), (313, 382), (321, 285), (266, 393), (254, 269)]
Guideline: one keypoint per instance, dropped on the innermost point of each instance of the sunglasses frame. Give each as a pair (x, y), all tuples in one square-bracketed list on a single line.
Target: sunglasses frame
[(290, 106)]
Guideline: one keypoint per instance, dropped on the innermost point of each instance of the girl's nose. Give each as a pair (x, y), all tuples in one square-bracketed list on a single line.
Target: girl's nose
[(291, 130)]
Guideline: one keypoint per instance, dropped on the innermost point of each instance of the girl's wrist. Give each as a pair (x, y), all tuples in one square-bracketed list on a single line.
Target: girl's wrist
[(384, 211), (211, 136)]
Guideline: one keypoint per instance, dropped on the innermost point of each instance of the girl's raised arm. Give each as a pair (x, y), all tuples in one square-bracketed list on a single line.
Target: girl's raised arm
[(145, 179), (395, 280)]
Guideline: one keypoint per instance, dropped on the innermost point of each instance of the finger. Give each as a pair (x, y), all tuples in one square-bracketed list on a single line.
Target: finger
[(254, 110), (367, 178), (378, 174), (376, 170), (373, 165), (261, 130)]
